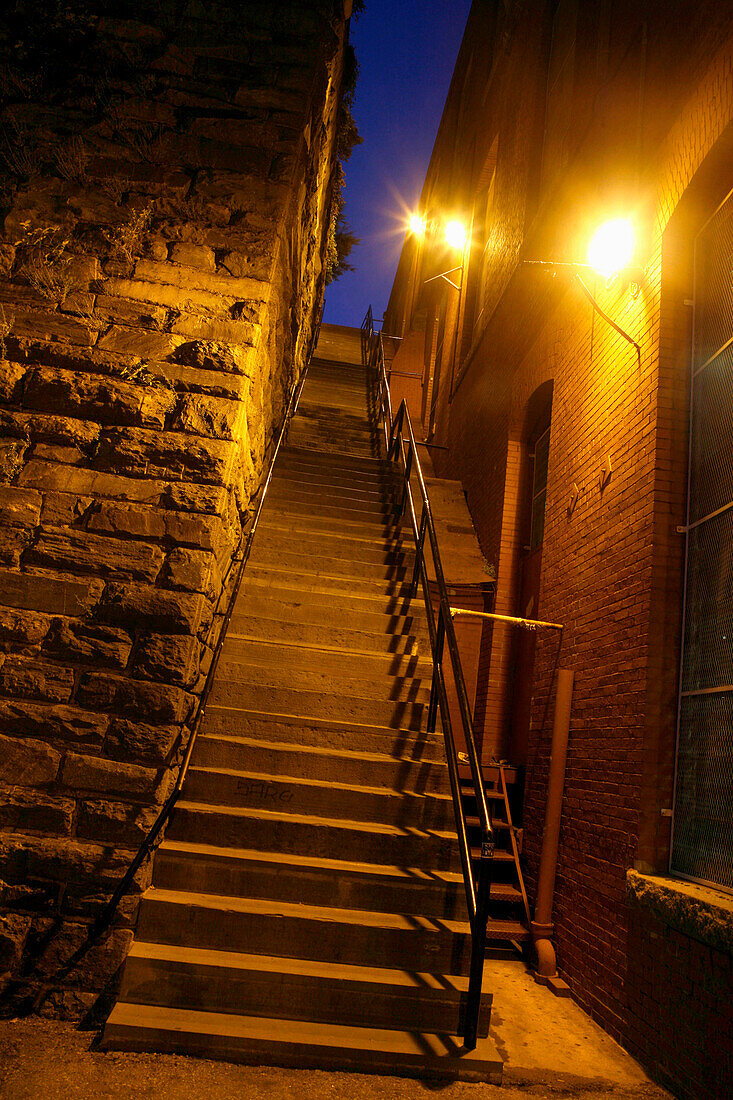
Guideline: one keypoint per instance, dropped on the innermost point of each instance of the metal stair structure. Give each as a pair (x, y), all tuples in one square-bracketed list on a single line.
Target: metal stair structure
[(307, 906)]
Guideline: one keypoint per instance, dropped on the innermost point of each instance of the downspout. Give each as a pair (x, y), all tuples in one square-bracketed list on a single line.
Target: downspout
[(542, 926)]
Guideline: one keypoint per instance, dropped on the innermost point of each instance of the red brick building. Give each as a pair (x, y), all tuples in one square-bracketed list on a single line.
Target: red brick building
[(571, 436)]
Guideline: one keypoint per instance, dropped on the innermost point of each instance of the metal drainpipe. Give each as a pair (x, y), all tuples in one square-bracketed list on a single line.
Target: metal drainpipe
[(542, 926)]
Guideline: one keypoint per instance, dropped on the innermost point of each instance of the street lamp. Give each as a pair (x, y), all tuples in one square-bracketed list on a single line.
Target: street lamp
[(456, 235), (416, 225), (610, 252), (611, 247)]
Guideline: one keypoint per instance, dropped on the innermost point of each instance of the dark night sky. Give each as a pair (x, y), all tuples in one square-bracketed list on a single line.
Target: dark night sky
[(406, 51)]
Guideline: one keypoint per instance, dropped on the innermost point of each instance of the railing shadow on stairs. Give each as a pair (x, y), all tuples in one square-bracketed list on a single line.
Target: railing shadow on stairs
[(402, 450)]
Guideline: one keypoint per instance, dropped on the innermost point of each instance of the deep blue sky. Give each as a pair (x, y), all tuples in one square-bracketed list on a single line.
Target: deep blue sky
[(406, 51)]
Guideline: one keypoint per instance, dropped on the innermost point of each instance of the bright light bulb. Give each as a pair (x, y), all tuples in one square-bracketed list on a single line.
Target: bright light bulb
[(455, 234), (416, 225), (612, 247)]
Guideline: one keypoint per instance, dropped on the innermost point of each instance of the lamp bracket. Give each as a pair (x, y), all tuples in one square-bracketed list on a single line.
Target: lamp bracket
[(444, 275)]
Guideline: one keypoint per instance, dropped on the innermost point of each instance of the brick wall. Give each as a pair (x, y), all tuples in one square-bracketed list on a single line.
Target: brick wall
[(166, 183), (612, 563)]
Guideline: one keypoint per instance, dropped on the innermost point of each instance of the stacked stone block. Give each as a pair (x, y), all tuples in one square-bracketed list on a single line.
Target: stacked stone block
[(166, 191)]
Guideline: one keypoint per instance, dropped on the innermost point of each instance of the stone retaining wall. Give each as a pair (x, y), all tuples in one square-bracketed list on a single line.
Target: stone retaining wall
[(166, 184)]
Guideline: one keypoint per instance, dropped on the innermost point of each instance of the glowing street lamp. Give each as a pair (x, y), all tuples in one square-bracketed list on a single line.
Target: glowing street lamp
[(416, 225), (609, 253), (455, 235), (612, 247)]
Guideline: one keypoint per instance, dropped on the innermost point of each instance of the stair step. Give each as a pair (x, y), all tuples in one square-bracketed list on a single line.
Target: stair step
[(307, 834), (322, 733), (306, 1045), (387, 607), (372, 613), (360, 525), (312, 703), (353, 463), (299, 471), (295, 989), (328, 658), (355, 768), (313, 579), (351, 511), (314, 795), (360, 937), (303, 560), (326, 678), (286, 481), (308, 879), (338, 447), (350, 538), (280, 631)]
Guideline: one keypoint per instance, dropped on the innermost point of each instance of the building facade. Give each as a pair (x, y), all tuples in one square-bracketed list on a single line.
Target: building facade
[(588, 417)]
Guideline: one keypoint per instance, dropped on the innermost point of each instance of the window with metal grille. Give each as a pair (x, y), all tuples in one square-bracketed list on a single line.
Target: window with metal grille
[(702, 844)]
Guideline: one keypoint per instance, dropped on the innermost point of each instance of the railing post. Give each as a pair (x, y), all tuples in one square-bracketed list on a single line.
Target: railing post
[(399, 513), (396, 430), (478, 944), (419, 552), (437, 661)]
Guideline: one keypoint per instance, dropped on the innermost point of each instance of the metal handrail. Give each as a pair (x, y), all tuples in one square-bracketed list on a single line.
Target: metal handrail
[(245, 541), (402, 447)]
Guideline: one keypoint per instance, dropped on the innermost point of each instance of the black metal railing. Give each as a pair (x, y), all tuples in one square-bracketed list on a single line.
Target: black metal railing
[(402, 449)]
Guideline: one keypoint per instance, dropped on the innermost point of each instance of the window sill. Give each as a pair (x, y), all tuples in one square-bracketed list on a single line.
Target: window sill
[(701, 912)]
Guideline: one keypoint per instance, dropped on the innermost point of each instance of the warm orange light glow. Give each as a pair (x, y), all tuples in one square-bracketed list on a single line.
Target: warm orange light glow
[(455, 234), (416, 225), (612, 247)]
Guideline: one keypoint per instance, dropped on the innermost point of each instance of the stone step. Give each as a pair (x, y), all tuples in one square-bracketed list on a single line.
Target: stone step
[(342, 549), (308, 879), (300, 436), (348, 370), (335, 541), (374, 612), (300, 517), (313, 471), (316, 579), (258, 926), (330, 659), (356, 465), (314, 703), (323, 394), (314, 481), (286, 480), (322, 733), (283, 632), (303, 559), (295, 989), (285, 759), (305, 1045), (355, 373), (337, 505), (253, 789), (336, 422), (330, 677), (328, 438), (307, 834)]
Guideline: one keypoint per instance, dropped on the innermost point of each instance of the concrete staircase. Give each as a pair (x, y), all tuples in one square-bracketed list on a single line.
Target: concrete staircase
[(307, 906)]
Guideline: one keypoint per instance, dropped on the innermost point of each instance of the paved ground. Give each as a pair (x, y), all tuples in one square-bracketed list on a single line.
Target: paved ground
[(551, 1049)]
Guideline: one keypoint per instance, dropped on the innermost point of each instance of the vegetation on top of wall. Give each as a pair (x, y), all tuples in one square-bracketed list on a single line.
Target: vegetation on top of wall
[(341, 240)]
